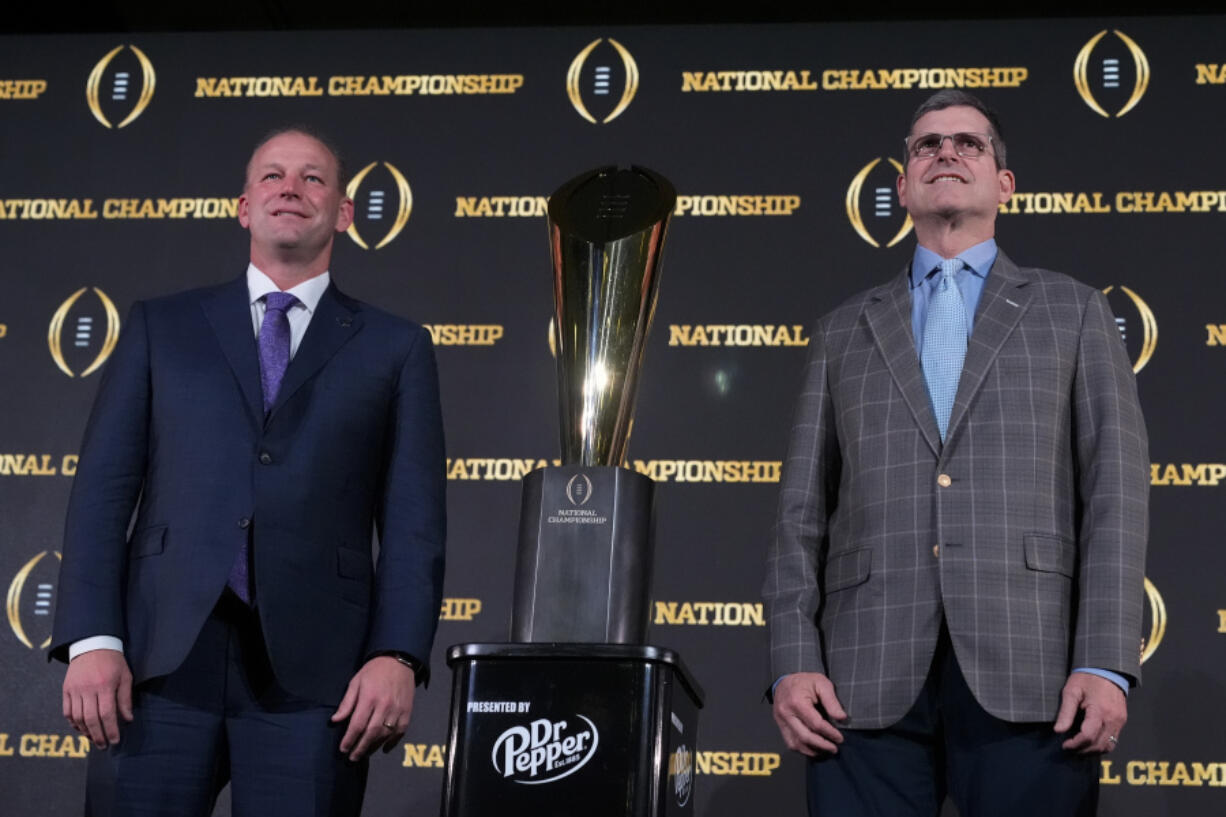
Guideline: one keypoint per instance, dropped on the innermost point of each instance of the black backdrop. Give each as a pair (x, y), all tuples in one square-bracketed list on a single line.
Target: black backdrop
[(119, 175)]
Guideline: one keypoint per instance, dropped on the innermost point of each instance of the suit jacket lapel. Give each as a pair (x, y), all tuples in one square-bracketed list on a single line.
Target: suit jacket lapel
[(337, 318), (889, 319), (228, 311), (1001, 305)]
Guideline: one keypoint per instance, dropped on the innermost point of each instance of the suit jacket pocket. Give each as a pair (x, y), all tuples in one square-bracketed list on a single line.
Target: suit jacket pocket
[(1050, 553), (848, 569), (355, 570), (148, 542)]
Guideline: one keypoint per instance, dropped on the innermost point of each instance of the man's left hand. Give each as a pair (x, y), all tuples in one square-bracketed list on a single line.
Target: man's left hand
[(1106, 711), (378, 704)]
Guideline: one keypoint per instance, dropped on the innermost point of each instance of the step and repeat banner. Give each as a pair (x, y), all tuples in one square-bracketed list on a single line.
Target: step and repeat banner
[(122, 158)]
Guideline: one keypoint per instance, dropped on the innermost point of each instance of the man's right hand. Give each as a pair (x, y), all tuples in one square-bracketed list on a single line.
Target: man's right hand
[(800, 701), (97, 692)]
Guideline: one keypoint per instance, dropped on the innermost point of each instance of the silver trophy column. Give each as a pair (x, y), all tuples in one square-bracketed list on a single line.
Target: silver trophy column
[(583, 569)]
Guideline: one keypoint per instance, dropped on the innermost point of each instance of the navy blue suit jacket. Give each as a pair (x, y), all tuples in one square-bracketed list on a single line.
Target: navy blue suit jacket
[(178, 433)]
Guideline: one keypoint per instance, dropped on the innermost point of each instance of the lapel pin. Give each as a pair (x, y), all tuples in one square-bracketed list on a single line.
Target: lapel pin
[(1010, 303), (344, 321)]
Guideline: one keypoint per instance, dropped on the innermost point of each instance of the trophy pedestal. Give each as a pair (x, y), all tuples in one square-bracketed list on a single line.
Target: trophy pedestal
[(583, 567), (555, 730)]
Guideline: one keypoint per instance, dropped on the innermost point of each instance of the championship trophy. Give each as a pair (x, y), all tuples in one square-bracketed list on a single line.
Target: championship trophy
[(584, 560), (578, 707)]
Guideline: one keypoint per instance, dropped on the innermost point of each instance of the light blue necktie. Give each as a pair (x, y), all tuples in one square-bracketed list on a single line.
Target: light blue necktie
[(944, 342)]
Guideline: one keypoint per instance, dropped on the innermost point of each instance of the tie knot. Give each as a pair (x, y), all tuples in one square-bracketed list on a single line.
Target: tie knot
[(950, 267), (278, 301)]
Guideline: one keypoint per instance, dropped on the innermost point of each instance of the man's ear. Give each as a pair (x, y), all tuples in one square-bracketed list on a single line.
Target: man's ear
[(1008, 184), (344, 215)]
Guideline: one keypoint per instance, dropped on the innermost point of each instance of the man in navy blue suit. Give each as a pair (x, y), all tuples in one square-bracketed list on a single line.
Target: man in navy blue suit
[(238, 628)]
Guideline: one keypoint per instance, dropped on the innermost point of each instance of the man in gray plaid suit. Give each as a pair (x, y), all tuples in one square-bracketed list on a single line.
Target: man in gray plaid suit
[(955, 586)]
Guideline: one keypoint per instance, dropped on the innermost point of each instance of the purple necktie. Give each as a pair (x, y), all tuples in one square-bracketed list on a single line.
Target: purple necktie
[(274, 359), (274, 344)]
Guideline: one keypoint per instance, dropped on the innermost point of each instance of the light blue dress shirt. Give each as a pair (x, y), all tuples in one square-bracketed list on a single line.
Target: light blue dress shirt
[(979, 258)]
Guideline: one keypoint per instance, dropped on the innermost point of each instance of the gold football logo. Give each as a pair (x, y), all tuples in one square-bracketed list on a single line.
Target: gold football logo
[(84, 332), (42, 599), (120, 86), (1157, 622), (373, 210), (885, 197), (601, 81), (1149, 327), (1111, 73)]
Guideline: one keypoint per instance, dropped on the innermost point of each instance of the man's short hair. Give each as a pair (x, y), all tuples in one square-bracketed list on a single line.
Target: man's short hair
[(319, 136), (952, 98)]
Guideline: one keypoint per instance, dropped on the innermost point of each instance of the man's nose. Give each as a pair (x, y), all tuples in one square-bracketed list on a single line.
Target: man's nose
[(289, 187), (947, 150)]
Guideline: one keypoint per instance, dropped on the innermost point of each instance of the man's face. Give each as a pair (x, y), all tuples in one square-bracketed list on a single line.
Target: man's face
[(292, 202), (948, 185)]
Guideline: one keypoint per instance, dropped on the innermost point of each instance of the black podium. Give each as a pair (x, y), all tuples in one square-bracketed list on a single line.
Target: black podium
[(558, 730)]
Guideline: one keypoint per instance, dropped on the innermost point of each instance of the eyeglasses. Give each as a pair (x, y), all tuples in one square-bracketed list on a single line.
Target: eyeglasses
[(966, 145)]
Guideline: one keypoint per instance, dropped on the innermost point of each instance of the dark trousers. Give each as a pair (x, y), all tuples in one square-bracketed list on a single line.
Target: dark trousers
[(948, 744), (221, 717)]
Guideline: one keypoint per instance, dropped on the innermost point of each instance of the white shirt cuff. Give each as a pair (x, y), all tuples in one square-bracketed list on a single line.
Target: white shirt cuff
[(96, 642)]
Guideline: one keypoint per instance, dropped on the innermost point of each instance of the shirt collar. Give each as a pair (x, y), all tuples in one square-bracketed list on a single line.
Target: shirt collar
[(979, 258), (308, 292)]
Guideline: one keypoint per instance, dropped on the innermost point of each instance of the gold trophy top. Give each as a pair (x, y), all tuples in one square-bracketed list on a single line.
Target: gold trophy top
[(606, 231)]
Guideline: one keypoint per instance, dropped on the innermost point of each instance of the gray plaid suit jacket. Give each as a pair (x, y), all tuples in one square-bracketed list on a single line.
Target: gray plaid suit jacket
[(1038, 500)]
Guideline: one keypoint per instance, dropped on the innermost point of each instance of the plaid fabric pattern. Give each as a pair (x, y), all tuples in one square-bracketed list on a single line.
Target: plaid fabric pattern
[(1037, 499)]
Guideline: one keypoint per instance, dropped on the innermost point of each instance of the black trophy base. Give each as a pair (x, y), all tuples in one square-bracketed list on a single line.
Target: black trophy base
[(583, 567), (548, 730)]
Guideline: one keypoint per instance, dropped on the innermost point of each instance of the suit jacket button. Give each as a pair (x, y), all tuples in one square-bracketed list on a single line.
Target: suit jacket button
[(936, 551), (945, 480), (244, 522), (265, 458)]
